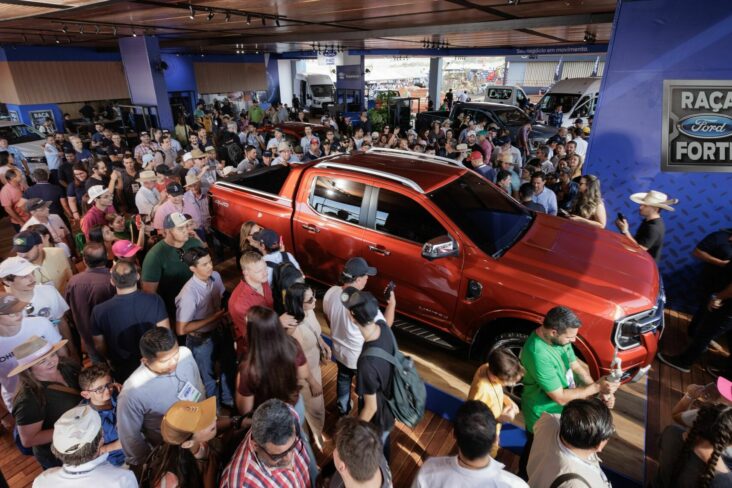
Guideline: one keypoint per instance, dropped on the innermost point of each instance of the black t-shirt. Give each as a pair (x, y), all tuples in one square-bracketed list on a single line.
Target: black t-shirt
[(113, 150), (91, 181), (374, 377), (66, 172), (130, 186), (718, 245), (650, 235)]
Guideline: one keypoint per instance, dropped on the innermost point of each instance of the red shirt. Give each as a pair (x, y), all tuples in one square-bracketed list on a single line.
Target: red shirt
[(94, 217), (242, 299)]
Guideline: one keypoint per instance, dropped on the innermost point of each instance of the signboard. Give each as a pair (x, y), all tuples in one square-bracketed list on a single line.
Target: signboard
[(38, 117), (13, 115), (697, 126)]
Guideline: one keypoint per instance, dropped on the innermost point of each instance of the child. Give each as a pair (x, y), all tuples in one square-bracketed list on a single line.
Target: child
[(502, 369), (100, 391)]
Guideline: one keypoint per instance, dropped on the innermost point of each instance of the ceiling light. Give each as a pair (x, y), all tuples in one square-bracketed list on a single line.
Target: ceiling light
[(57, 41), (249, 19), (64, 29), (191, 12), (277, 21), (210, 15), (134, 34), (227, 17)]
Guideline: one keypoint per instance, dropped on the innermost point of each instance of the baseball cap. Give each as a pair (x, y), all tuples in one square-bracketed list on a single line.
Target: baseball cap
[(147, 159), (267, 154), (268, 237), (185, 418), (16, 266), (351, 297), (471, 133), (75, 429), (210, 149), (175, 219), (187, 156), (25, 241), (198, 154), (501, 141), (175, 190), (161, 170), (314, 141), (462, 147), (725, 388), (96, 191), (358, 266), (482, 133), (10, 304), (475, 155), (35, 203), (125, 249), (144, 133), (586, 130)]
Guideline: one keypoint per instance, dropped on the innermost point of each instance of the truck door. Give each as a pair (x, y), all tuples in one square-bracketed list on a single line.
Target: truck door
[(398, 228), (328, 222)]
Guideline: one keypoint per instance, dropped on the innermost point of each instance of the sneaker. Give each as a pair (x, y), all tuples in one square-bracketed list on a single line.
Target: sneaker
[(673, 362)]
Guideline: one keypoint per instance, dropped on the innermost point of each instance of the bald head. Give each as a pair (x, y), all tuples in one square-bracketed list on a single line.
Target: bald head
[(95, 255)]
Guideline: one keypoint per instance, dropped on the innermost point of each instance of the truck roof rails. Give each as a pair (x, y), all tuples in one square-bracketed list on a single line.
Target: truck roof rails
[(375, 172), (411, 155)]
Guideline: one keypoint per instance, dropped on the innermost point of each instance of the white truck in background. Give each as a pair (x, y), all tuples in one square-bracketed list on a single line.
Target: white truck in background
[(506, 95), (316, 92), (577, 96)]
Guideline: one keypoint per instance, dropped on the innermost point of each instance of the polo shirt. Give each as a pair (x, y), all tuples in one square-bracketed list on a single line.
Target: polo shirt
[(10, 196), (550, 458), (199, 299), (163, 265), (144, 400), (93, 217), (242, 299), (197, 208), (83, 292), (163, 211), (97, 472)]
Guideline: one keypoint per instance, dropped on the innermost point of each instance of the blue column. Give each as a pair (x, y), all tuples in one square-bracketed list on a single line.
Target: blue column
[(141, 61), (656, 41)]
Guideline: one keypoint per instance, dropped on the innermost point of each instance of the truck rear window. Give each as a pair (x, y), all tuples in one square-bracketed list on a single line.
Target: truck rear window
[(268, 180)]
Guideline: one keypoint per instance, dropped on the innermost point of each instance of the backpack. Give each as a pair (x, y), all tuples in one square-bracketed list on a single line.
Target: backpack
[(284, 274), (233, 152), (409, 395)]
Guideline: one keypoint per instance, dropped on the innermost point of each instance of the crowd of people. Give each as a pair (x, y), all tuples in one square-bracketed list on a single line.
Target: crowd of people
[(128, 360)]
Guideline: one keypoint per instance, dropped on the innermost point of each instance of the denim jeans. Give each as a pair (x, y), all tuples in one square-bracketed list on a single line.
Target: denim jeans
[(206, 351), (386, 441), (709, 327), (343, 388)]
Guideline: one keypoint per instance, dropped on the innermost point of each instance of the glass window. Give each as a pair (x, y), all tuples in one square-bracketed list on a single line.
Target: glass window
[(512, 117), (402, 217), (583, 108), (338, 198), (322, 91), (549, 102), (19, 133), (499, 93)]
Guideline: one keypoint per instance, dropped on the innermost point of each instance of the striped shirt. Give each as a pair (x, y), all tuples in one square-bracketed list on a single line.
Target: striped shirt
[(247, 470)]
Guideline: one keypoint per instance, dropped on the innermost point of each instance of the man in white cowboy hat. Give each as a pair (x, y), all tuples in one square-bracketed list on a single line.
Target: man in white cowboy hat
[(284, 155), (100, 201), (77, 442), (649, 235), (148, 196), (195, 204)]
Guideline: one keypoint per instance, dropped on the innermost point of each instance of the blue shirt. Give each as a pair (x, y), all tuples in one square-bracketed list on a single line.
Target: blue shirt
[(548, 199), (84, 155), (18, 157), (53, 156), (109, 430)]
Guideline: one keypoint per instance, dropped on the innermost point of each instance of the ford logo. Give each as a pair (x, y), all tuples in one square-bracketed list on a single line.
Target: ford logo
[(706, 126)]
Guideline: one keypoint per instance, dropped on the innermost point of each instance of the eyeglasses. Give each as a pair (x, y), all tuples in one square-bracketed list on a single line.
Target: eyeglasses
[(276, 457), (102, 389)]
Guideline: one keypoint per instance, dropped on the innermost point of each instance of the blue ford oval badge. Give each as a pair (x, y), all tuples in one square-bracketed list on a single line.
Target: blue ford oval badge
[(706, 126)]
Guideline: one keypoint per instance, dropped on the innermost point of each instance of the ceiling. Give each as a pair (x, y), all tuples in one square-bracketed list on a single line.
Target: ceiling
[(223, 26)]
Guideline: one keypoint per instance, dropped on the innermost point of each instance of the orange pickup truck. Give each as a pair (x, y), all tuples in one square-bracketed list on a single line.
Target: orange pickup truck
[(472, 266)]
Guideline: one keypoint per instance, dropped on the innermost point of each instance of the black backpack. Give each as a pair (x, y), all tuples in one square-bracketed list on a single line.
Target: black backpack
[(408, 393), (284, 274), (234, 152)]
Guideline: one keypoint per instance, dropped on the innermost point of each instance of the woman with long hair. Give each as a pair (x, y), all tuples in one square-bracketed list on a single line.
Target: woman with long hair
[(300, 303), (47, 387), (695, 458), (589, 207), (248, 229)]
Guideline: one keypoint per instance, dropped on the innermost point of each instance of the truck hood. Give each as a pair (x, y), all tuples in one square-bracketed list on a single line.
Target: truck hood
[(542, 132), (572, 263), (31, 149)]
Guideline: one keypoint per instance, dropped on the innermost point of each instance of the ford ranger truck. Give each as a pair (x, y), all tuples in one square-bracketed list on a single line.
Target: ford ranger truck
[(470, 263)]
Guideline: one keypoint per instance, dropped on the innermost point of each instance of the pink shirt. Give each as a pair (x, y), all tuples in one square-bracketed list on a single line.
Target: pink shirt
[(163, 211), (94, 217), (10, 195)]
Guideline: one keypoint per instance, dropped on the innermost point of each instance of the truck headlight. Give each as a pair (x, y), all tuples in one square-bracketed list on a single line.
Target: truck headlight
[(628, 330)]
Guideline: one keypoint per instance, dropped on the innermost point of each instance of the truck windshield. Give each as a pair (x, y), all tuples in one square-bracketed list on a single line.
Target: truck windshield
[(321, 91), (490, 219), (512, 117), (550, 101), (19, 133)]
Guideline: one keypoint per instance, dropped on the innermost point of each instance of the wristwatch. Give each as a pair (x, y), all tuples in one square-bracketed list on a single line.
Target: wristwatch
[(236, 421)]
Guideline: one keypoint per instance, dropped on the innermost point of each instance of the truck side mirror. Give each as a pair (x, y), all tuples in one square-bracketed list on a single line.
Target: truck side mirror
[(440, 247)]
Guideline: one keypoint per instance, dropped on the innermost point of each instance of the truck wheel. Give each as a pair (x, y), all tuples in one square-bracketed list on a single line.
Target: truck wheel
[(513, 341)]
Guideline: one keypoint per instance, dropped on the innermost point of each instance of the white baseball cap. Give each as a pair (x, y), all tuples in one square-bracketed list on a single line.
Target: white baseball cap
[(96, 191), (75, 429), (147, 159), (16, 266), (187, 157)]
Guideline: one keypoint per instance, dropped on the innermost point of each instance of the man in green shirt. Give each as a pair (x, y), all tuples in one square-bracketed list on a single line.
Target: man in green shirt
[(554, 376), (163, 271), (256, 114)]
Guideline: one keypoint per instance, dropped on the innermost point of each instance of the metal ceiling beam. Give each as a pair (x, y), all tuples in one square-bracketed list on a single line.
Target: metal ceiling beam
[(464, 28), (27, 3)]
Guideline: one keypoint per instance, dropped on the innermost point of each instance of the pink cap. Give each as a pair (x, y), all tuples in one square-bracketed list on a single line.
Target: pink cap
[(725, 388), (125, 249)]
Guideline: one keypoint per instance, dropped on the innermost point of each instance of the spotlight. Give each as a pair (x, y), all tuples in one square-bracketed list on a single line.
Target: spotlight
[(264, 21), (249, 19), (210, 15), (134, 34), (277, 21), (64, 29), (227, 17), (57, 41), (191, 12)]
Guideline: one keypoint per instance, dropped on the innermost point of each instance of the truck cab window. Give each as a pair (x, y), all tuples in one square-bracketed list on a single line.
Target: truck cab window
[(338, 198), (402, 217)]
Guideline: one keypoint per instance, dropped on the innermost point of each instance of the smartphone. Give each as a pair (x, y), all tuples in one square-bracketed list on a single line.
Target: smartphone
[(621, 216), (389, 288), (563, 213)]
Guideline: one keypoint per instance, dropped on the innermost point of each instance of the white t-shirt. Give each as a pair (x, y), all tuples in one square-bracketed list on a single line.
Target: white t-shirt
[(276, 258), (96, 473), (32, 326), (445, 471), (56, 227), (47, 302), (347, 338), (581, 146)]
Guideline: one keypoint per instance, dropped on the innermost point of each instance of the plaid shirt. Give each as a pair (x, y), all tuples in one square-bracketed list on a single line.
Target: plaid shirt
[(246, 470)]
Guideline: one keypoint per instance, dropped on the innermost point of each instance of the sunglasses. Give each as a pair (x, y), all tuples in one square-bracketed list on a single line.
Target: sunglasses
[(102, 389), (276, 457)]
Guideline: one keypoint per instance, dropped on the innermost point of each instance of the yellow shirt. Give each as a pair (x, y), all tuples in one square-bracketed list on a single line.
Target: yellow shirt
[(491, 394), (55, 269)]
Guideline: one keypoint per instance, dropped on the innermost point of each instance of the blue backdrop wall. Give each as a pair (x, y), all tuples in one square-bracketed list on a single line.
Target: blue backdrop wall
[(653, 41)]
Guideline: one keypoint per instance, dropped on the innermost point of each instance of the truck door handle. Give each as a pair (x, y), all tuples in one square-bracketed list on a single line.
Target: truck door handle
[(310, 228), (379, 250)]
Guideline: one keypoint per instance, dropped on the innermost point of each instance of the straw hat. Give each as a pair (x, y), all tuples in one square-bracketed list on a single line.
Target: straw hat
[(191, 179), (184, 419), (32, 352), (147, 176), (654, 198)]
